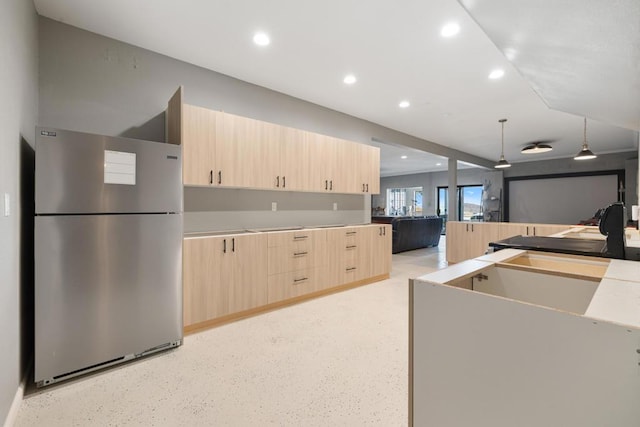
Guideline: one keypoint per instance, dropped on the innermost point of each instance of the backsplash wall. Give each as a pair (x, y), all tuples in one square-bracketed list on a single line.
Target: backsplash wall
[(213, 209)]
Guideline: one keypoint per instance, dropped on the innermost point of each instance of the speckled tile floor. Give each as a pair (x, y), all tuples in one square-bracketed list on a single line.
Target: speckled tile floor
[(340, 360)]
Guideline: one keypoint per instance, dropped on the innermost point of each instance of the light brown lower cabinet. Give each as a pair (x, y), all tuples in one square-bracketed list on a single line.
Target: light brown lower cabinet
[(227, 275), (467, 240), (293, 284), (223, 275)]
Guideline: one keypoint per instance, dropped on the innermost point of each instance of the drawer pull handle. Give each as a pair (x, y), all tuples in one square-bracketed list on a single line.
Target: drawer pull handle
[(351, 268), (351, 246), (296, 281), (351, 233), (300, 253), (300, 237)]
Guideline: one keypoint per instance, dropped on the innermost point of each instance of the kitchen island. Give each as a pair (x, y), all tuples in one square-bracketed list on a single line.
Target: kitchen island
[(526, 338)]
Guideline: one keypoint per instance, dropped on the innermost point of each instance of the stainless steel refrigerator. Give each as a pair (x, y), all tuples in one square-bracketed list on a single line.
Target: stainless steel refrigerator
[(108, 251)]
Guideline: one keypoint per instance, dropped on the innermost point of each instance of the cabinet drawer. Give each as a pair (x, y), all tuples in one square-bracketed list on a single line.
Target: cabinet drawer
[(294, 257), (292, 284), (284, 238)]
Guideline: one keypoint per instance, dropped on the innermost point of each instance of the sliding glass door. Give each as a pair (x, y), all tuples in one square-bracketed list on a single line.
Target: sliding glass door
[(469, 202)]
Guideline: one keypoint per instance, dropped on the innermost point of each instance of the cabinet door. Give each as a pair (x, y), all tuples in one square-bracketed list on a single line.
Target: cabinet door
[(206, 275), (466, 240), (371, 169), (293, 161), (380, 249), (346, 174), (200, 130), (323, 156), (248, 284), (456, 241), (241, 152), (481, 235), (512, 229), (548, 229)]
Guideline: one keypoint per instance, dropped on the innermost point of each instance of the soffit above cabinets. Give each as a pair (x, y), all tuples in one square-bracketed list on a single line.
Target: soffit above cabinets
[(580, 56)]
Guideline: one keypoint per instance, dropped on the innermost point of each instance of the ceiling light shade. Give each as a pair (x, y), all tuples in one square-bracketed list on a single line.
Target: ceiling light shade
[(536, 148), (502, 163), (404, 104), (585, 153)]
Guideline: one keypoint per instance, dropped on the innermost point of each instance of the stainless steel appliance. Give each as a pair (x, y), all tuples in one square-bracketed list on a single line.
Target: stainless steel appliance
[(108, 251)]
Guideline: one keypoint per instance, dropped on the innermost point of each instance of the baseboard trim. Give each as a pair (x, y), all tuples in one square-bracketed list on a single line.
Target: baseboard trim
[(207, 324)]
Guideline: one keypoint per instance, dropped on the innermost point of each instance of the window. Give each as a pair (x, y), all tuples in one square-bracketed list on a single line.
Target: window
[(469, 202), (404, 201)]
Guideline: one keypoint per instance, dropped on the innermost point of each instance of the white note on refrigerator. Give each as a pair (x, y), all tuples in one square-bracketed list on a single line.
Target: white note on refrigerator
[(119, 167)]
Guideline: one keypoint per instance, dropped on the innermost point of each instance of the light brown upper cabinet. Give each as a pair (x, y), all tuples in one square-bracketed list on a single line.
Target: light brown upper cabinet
[(226, 150), (200, 131)]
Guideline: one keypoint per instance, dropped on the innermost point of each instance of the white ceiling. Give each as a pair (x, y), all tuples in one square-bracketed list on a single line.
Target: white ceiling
[(396, 52)]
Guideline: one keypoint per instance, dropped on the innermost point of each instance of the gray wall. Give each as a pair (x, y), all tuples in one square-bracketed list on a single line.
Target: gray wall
[(627, 161), (95, 84), (18, 108), (432, 180)]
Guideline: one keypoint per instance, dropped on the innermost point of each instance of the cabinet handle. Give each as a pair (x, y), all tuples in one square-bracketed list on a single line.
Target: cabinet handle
[(351, 246), (219, 177), (472, 228), (351, 233), (534, 231), (326, 184), (363, 188), (278, 181), (379, 231), (331, 185), (211, 176), (527, 230), (300, 237), (384, 231), (284, 182), (367, 188), (300, 253), (467, 227), (233, 244), (224, 246), (296, 281), (351, 268)]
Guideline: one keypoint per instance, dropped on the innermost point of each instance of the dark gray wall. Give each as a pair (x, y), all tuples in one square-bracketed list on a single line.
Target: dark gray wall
[(627, 161), (18, 109)]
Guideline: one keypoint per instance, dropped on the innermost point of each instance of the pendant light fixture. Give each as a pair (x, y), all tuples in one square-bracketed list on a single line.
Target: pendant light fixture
[(502, 163), (585, 153), (536, 148)]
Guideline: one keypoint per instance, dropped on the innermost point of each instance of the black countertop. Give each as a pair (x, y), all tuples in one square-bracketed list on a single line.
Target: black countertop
[(563, 245)]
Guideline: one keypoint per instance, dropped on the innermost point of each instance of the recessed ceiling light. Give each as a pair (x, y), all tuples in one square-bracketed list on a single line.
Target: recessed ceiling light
[(350, 79), (404, 104), (261, 39), (450, 29), (403, 157), (496, 74), (438, 164)]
